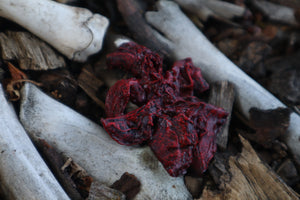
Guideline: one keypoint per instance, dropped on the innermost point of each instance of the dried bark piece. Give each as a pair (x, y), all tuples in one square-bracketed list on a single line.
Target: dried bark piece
[(80, 177), (253, 54), (60, 84), (30, 52), (269, 124), (222, 95), (285, 84), (99, 191), (55, 161), (194, 185), (128, 184), (249, 178), (90, 84)]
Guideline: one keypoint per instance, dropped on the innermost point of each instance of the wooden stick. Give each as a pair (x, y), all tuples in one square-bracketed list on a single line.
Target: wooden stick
[(142, 31), (222, 95)]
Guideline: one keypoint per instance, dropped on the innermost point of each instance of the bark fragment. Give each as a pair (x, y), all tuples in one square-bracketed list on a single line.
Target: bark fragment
[(250, 179), (30, 52), (222, 95)]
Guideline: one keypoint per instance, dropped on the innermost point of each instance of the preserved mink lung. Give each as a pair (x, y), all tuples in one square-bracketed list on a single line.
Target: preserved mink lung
[(179, 128)]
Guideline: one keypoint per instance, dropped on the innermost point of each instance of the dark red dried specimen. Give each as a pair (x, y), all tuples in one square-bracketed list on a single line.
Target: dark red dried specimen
[(179, 128)]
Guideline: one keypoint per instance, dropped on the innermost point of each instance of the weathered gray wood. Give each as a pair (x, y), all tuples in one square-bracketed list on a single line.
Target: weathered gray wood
[(23, 173), (93, 149), (30, 52), (276, 12), (216, 8), (75, 32), (222, 95)]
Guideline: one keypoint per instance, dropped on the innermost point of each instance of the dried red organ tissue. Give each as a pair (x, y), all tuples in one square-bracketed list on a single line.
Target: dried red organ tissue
[(180, 129)]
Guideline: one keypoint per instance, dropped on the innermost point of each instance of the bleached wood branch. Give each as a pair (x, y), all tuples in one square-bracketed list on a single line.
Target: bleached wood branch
[(23, 173), (276, 12), (186, 40), (75, 32), (204, 9), (93, 149)]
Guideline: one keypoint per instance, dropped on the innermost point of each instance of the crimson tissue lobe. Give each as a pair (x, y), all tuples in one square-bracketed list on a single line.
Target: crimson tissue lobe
[(179, 128)]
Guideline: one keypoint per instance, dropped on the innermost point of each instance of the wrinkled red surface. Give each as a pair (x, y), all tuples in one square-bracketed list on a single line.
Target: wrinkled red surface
[(180, 129)]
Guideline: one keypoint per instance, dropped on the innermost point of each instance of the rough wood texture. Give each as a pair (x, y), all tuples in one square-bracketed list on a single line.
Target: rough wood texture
[(99, 191), (222, 95), (23, 173), (30, 52), (249, 179), (90, 84)]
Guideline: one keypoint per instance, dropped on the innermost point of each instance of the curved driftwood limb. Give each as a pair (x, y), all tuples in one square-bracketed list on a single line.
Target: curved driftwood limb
[(93, 149), (75, 32), (187, 41), (23, 173), (204, 9)]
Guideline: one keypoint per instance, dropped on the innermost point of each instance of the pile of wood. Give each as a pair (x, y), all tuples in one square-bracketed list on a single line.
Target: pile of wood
[(54, 81)]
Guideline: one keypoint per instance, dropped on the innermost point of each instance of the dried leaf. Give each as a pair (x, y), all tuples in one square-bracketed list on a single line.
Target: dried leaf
[(13, 85)]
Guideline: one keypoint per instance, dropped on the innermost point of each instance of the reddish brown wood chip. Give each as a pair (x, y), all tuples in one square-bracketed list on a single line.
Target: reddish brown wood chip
[(127, 184)]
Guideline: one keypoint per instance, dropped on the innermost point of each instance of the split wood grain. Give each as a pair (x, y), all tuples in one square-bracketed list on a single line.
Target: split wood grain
[(30, 52), (222, 95), (249, 178)]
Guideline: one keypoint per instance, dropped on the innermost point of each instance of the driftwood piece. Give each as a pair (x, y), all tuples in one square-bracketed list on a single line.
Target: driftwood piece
[(290, 3), (187, 41), (23, 173), (75, 32), (90, 84), (30, 52), (222, 95), (276, 12), (249, 178), (93, 149), (55, 161), (216, 8), (142, 31)]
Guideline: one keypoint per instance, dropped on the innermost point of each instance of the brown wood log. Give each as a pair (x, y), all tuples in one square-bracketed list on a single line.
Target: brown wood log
[(222, 95), (247, 177)]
